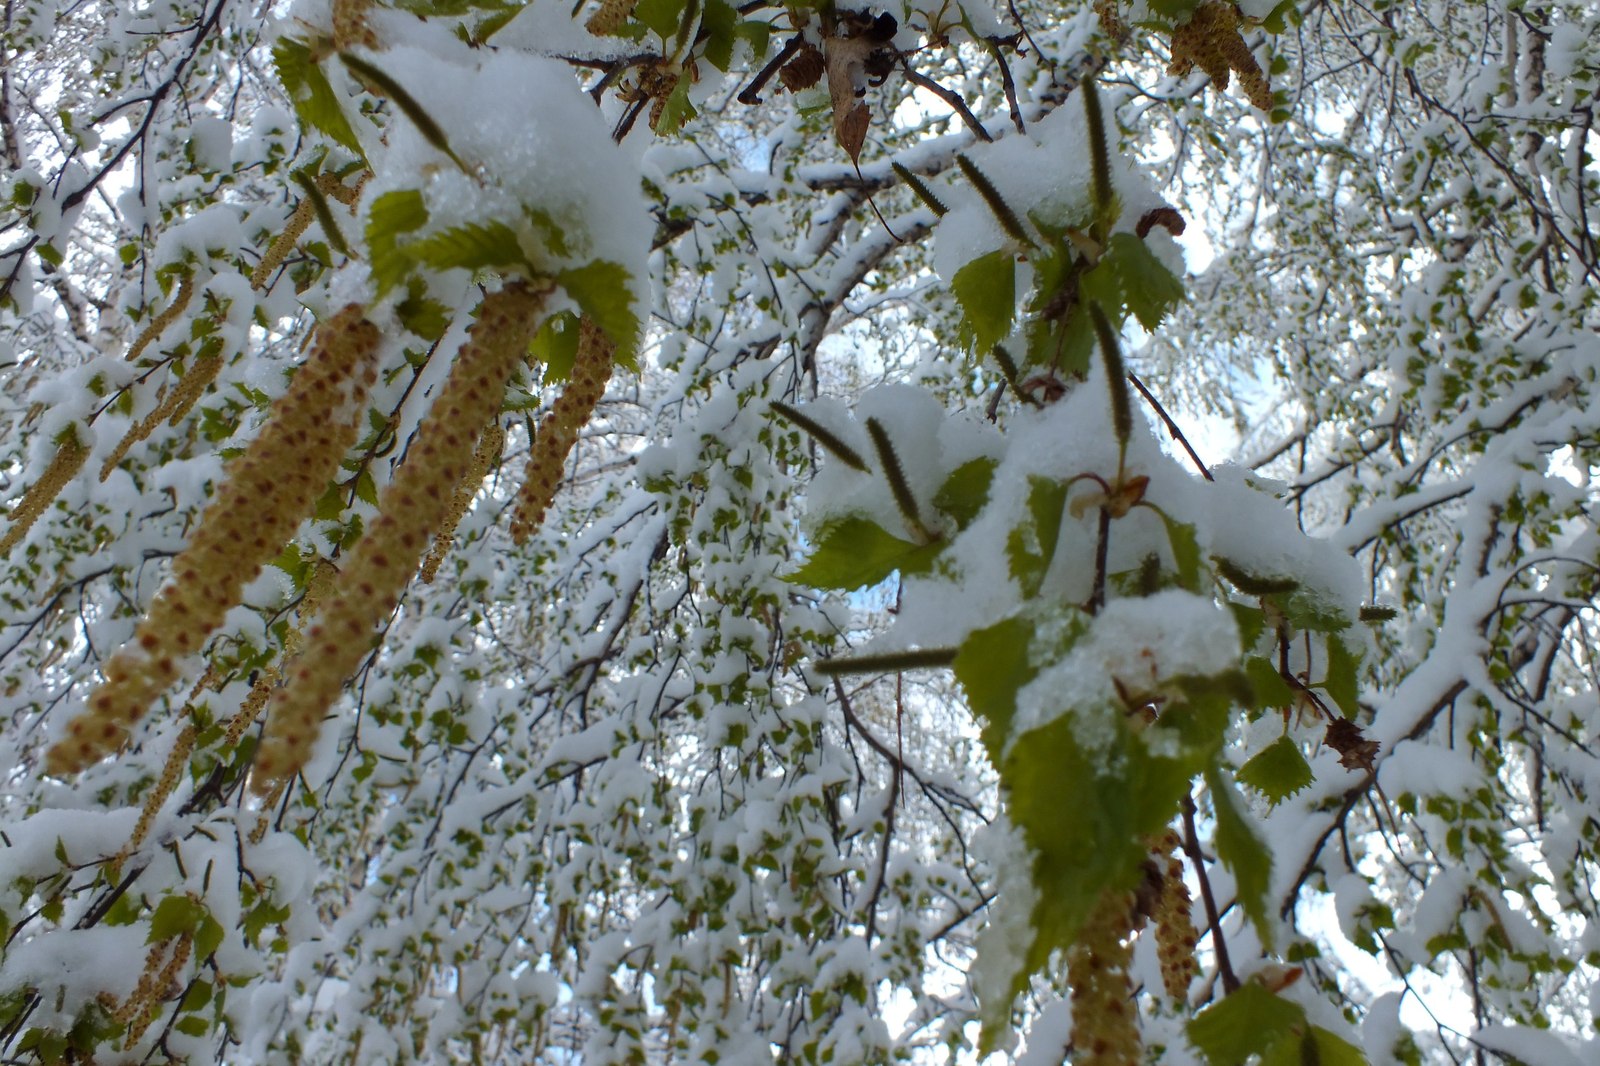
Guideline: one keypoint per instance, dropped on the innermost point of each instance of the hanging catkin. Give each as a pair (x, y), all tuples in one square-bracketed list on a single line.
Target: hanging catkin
[(411, 510), (265, 494), (1105, 1031), (68, 460), (489, 445), (159, 324), (591, 369), (179, 401)]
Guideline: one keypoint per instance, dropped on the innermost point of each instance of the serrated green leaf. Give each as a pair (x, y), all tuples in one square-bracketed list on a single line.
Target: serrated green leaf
[(1086, 813), (677, 109), (717, 23), (193, 1025), (390, 216), (1148, 289), (758, 33), (1242, 852), (853, 552), (965, 491), (1248, 1021), (313, 97), (1278, 771), (601, 289), (175, 916), (1031, 546), (427, 318), (1185, 554), (992, 666), (1269, 687), (556, 345), (366, 488), (986, 288), (330, 505), (470, 246), (1343, 683)]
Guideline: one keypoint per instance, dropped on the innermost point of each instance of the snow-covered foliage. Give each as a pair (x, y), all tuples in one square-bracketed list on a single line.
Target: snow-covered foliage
[(667, 530)]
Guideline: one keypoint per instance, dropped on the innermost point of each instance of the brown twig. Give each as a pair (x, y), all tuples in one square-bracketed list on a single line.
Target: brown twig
[(1191, 844), (1172, 427)]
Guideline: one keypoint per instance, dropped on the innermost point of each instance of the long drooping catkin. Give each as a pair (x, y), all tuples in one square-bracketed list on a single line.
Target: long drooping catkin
[(489, 445), (412, 508), (178, 402), (1104, 1028), (591, 369), (159, 324), (265, 494), (1176, 936), (297, 224), (68, 460)]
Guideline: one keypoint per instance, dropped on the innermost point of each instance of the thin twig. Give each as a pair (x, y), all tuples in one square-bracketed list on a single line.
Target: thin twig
[(1172, 427), (1191, 844)]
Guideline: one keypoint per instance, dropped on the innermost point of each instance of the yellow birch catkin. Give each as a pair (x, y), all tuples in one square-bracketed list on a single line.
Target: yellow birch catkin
[(180, 399), (159, 324), (1176, 936), (264, 496), (411, 509), (68, 460), (1105, 1031), (489, 445), (591, 370)]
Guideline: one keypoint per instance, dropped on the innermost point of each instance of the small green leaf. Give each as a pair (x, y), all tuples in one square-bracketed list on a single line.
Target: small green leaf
[(1278, 771), (1149, 289), (175, 916), (992, 666), (392, 214), (425, 317), (677, 109), (661, 16), (1031, 546), (50, 254), (1342, 682), (1247, 1022), (1269, 687), (313, 97), (853, 552), (965, 491), (1314, 1046), (470, 246), (986, 288), (1242, 852), (193, 1025), (366, 488), (717, 22), (601, 289), (556, 345)]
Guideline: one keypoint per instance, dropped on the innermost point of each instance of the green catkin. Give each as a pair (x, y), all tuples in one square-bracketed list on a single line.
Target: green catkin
[(411, 510), (1002, 211), (265, 494), (558, 432), (896, 475), (823, 436), (1176, 936), (1099, 152), (920, 187), (1116, 376), (69, 459)]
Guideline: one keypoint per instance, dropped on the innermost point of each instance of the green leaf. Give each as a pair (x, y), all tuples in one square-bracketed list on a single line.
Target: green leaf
[(1269, 687), (1032, 545), (1149, 289), (1314, 1046), (853, 552), (366, 488), (1087, 813), (425, 317), (50, 254), (1247, 1022), (193, 1025), (1242, 852), (718, 22), (470, 246), (1342, 683), (601, 289), (992, 666), (661, 16), (986, 288), (965, 491), (313, 97), (677, 109), (175, 916), (1278, 771), (556, 345), (392, 214)]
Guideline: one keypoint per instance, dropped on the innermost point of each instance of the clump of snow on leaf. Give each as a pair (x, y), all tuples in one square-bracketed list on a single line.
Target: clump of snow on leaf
[(540, 160)]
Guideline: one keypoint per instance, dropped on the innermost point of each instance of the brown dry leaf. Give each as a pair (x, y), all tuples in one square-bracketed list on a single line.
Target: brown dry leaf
[(846, 59)]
